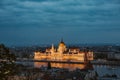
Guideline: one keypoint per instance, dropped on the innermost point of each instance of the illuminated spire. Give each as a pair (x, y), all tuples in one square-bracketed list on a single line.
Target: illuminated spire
[(52, 47)]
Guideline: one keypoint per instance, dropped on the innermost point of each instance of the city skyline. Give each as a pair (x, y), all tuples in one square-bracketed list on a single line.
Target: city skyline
[(32, 22)]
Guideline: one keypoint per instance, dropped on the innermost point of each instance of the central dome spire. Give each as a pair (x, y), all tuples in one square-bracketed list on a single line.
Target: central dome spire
[(62, 46), (61, 42), (61, 39)]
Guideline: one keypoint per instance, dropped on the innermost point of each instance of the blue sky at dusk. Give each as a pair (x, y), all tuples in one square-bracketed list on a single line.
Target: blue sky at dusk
[(31, 22)]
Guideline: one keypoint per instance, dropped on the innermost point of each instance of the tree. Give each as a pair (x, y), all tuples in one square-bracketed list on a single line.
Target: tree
[(7, 62)]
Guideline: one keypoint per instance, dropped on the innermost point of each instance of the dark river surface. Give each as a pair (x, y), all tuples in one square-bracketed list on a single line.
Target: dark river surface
[(100, 69)]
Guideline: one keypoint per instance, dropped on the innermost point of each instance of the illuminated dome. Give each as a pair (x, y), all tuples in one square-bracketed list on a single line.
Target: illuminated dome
[(62, 46)]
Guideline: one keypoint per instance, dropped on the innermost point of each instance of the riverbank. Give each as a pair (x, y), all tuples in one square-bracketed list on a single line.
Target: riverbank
[(116, 63)]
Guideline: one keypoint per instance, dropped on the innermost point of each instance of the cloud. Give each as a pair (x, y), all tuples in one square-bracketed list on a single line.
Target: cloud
[(61, 10), (63, 15)]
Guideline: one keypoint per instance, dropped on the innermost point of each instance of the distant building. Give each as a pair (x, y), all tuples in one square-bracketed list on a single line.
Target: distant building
[(64, 54), (114, 56)]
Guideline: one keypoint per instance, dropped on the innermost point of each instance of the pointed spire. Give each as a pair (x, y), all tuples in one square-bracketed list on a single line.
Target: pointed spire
[(61, 39), (52, 47)]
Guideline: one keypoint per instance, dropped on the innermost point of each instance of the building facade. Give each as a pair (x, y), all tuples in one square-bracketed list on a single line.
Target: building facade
[(63, 54)]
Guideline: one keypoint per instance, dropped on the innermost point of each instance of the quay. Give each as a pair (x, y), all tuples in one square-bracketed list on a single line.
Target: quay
[(114, 63), (52, 61)]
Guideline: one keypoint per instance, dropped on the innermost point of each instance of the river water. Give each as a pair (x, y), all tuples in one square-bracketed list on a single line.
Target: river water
[(100, 69)]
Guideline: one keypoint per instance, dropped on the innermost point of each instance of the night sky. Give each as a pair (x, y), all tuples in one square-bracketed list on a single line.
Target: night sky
[(32, 22)]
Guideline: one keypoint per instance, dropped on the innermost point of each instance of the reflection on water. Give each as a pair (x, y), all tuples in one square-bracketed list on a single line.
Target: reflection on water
[(39, 64), (101, 69), (60, 65)]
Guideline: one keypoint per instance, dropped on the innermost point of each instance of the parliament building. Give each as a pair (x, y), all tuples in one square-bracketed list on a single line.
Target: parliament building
[(62, 53)]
